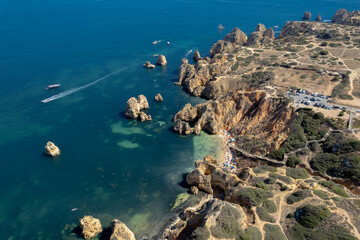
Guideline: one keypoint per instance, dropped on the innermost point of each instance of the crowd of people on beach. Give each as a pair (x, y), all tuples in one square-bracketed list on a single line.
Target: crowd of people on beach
[(229, 160)]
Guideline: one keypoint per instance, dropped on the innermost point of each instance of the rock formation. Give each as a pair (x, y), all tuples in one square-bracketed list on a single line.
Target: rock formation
[(194, 190), (269, 33), (307, 16), (255, 39), (206, 176), (134, 107), (250, 114), (51, 149), (318, 18), (161, 60), (159, 98), (342, 16), (120, 231), (148, 65), (260, 27), (196, 56), (235, 38), (90, 226)]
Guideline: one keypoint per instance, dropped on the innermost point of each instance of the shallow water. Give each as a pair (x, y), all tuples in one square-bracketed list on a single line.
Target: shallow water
[(110, 167)]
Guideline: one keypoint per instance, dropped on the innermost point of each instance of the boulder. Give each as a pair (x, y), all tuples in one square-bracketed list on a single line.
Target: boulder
[(51, 149), (194, 190), (260, 27), (120, 231), (148, 65), (269, 33), (196, 56), (161, 60), (159, 98), (318, 18), (307, 16), (90, 226), (144, 117), (236, 36), (134, 107)]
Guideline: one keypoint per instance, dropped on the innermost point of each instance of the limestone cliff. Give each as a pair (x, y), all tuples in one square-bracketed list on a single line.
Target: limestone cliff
[(243, 113), (342, 16)]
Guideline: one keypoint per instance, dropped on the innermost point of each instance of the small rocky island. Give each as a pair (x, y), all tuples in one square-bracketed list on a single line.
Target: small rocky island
[(135, 106), (52, 150)]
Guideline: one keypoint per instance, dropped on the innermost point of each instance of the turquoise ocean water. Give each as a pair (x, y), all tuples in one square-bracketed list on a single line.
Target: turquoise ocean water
[(110, 167)]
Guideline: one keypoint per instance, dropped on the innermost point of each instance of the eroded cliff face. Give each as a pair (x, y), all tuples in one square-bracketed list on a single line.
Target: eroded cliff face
[(243, 113), (342, 16)]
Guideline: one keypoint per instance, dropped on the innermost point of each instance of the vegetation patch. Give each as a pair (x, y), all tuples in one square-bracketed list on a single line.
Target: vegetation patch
[(200, 233), (282, 178), (335, 232), (264, 215), (335, 188), (254, 196), (298, 196), (273, 232), (264, 168), (321, 194), (310, 216), (227, 225), (269, 206), (252, 233), (293, 161), (297, 173)]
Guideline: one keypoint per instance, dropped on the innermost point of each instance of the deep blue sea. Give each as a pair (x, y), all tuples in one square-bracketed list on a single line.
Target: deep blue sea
[(110, 167)]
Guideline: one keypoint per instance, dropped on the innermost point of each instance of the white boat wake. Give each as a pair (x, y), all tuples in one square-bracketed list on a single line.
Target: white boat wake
[(74, 90), (187, 54)]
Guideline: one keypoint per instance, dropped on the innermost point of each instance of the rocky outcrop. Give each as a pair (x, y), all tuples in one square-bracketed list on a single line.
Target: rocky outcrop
[(196, 56), (134, 107), (246, 114), (194, 78), (318, 18), (255, 39), (342, 16), (307, 16), (269, 33), (159, 98), (235, 38), (90, 227), (294, 29), (148, 65), (51, 149), (161, 60), (206, 176), (120, 231), (194, 190), (260, 27)]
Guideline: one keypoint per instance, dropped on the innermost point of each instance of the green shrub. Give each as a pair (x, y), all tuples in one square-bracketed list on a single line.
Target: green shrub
[(273, 232), (321, 194), (264, 168), (261, 185), (255, 196), (264, 215), (297, 173), (252, 233), (227, 225), (324, 52), (269, 206), (311, 216), (323, 44), (298, 196), (293, 161), (335, 188), (200, 233), (282, 178)]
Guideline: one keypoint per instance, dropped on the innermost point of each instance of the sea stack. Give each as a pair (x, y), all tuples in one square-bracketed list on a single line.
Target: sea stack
[(307, 16), (318, 18), (120, 231), (159, 98), (90, 226), (260, 27), (148, 65), (51, 149), (196, 56), (161, 60), (134, 107)]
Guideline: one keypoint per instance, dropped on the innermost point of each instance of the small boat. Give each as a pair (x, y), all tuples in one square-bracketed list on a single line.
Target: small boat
[(74, 209), (155, 42), (221, 26), (276, 26), (53, 86), (168, 43)]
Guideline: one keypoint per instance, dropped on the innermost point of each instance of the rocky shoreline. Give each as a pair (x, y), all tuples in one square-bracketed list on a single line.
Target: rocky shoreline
[(260, 187)]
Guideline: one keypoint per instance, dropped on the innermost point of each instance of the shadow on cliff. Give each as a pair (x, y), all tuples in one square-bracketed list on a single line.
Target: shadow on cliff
[(106, 234)]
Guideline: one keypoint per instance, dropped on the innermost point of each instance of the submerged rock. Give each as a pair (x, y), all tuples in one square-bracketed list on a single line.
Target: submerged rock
[(134, 107), (120, 231), (90, 226), (148, 65), (307, 16), (159, 98), (161, 60), (51, 149), (144, 117)]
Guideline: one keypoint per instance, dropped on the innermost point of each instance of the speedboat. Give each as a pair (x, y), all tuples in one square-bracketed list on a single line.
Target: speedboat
[(53, 86), (221, 26)]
